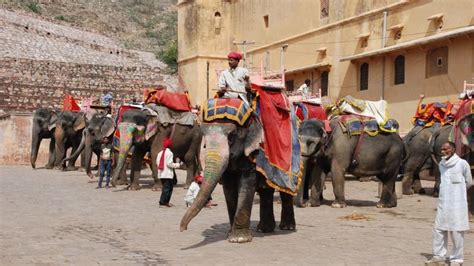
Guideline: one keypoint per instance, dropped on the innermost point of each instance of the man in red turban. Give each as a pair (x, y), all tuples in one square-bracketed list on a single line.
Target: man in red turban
[(234, 81), (165, 164)]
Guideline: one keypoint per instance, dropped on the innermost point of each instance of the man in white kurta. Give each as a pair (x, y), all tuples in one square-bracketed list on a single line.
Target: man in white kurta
[(234, 81), (452, 213)]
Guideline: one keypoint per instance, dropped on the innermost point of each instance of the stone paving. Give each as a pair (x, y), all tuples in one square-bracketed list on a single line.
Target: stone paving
[(49, 217)]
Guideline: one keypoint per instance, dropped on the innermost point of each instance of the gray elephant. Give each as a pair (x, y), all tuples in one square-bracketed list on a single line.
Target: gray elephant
[(419, 162), (313, 137), (133, 133), (229, 152), (44, 125), (68, 134), (380, 156), (100, 126)]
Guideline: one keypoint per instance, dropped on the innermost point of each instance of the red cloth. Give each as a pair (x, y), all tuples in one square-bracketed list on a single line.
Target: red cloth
[(173, 100), (122, 110), (316, 111), (275, 115), (69, 104), (234, 55), (166, 144)]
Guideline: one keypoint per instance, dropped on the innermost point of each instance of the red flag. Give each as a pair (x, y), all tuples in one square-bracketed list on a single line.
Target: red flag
[(69, 104)]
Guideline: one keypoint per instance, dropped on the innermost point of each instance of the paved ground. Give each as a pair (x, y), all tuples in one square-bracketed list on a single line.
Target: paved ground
[(52, 217)]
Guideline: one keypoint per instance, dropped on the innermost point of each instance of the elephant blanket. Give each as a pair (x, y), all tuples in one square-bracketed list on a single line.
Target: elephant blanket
[(280, 162), (173, 100), (231, 108), (462, 133), (306, 111), (356, 124)]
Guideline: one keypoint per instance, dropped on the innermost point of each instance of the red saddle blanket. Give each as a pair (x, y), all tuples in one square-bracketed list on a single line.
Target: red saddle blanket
[(69, 104), (173, 100)]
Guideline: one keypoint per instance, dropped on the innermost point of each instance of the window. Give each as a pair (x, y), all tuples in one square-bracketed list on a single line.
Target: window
[(324, 9), (399, 70), (290, 85), (217, 20), (265, 20), (364, 77), (324, 83), (437, 61)]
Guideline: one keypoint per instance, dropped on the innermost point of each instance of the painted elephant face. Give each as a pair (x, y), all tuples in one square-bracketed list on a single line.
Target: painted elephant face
[(312, 136), (466, 126)]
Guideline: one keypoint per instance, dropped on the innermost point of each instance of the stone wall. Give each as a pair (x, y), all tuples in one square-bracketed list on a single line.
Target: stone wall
[(41, 61)]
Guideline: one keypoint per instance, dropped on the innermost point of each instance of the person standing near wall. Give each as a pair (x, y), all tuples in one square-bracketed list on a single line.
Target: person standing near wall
[(304, 89)]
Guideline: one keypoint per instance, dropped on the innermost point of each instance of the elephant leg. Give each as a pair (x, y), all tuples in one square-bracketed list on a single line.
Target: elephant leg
[(52, 155), (191, 168), (267, 219), (338, 185), (137, 159), (388, 199), (230, 186), (407, 184), (287, 221), (299, 199), (154, 171), (317, 187), (240, 230), (437, 176), (417, 187)]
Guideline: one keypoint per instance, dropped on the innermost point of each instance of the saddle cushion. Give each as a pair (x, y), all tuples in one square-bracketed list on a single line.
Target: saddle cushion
[(231, 108), (173, 100)]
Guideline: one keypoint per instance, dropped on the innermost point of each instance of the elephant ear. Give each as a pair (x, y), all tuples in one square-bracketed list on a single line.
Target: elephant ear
[(79, 123), (254, 137), (52, 120), (108, 127)]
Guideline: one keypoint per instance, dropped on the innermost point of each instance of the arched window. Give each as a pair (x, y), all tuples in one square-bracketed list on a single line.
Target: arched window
[(364, 77), (217, 20), (399, 70), (324, 83)]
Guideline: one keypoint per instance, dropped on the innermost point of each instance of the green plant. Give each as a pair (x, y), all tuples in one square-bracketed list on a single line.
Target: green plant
[(169, 55), (33, 6)]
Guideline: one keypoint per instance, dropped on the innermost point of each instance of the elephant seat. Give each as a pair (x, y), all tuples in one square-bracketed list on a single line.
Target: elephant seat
[(356, 124), (230, 108), (173, 100)]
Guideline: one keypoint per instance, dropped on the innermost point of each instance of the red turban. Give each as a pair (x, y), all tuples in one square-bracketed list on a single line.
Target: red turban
[(166, 144), (234, 55)]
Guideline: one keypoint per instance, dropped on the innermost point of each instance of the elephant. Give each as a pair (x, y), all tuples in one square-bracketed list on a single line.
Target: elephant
[(380, 155), (100, 126), (68, 134), (228, 155), (44, 125), (419, 162), (312, 136), (185, 145)]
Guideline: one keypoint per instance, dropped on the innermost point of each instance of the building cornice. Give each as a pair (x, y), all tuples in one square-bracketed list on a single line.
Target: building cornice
[(332, 25), (202, 56)]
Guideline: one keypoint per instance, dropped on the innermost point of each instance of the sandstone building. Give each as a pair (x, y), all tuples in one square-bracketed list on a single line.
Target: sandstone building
[(390, 49)]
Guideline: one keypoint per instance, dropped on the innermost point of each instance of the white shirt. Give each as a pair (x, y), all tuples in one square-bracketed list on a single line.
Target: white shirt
[(192, 193), (234, 79), (303, 89), (168, 165), (452, 213)]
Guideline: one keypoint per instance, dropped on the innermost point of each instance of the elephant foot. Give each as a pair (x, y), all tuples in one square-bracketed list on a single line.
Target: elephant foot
[(70, 168), (266, 227), (422, 191), (315, 203), (287, 226), (337, 204), (408, 191), (435, 194), (134, 187), (381, 204), (48, 166), (240, 236)]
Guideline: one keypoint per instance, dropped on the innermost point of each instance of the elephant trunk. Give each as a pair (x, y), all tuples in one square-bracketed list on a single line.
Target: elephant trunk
[(88, 154), (79, 149), (35, 143), (214, 159), (126, 131)]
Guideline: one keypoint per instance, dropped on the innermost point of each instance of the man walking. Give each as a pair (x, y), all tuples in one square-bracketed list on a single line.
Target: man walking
[(452, 214)]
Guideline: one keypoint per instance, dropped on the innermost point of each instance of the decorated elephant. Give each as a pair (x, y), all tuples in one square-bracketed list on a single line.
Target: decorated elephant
[(232, 153), (143, 131), (359, 154), (100, 126), (44, 125), (68, 134)]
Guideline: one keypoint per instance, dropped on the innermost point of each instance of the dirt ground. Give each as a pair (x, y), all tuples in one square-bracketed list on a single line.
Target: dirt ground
[(50, 217)]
